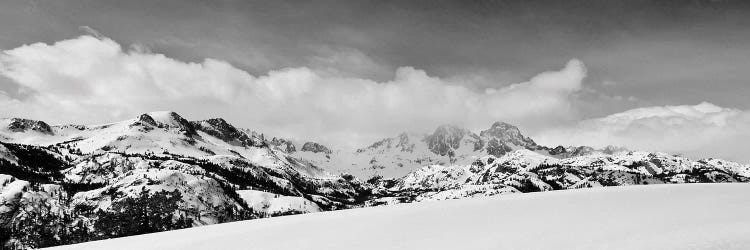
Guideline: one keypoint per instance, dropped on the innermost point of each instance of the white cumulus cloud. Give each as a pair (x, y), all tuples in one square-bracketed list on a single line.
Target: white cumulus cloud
[(698, 131), (94, 79)]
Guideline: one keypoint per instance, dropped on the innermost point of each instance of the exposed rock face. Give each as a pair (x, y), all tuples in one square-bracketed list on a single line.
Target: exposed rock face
[(315, 148), (447, 139), (284, 145), (147, 120), (496, 140), (497, 147), (24, 125), (508, 134), (169, 120), (558, 150), (221, 129)]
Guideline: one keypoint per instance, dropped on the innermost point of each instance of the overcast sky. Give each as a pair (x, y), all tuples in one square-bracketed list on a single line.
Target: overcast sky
[(654, 75)]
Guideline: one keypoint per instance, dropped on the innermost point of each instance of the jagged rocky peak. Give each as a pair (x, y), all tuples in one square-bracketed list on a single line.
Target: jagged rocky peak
[(167, 119), (20, 125), (315, 148), (509, 134), (558, 150), (445, 139), (147, 120), (283, 144), (218, 127), (220, 123)]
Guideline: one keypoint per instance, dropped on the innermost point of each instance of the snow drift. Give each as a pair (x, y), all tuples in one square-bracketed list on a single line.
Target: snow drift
[(692, 216)]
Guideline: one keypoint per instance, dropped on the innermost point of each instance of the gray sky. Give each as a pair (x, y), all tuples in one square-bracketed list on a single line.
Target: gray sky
[(636, 54)]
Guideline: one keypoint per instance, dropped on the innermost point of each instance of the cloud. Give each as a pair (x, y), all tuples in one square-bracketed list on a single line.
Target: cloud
[(93, 79), (347, 62), (698, 131), (90, 31)]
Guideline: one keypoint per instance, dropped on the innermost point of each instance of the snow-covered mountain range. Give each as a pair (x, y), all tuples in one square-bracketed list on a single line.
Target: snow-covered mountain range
[(394, 157), (64, 184)]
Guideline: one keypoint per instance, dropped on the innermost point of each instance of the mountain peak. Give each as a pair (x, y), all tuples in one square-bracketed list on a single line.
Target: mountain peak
[(167, 119), (315, 148), (445, 139), (165, 116), (24, 125), (217, 127), (147, 119), (220, 128), (284, 144), (508, 133), (503, 125)]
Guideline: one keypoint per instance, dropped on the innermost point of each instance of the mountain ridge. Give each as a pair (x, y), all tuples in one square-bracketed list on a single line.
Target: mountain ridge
[(81, 182)]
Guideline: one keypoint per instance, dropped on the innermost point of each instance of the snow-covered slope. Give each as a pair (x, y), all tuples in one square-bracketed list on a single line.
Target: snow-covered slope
[(270, 203), (527, 171), (697, 216)]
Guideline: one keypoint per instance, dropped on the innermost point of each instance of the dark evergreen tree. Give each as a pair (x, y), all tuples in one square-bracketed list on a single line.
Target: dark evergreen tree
[(145, 213)]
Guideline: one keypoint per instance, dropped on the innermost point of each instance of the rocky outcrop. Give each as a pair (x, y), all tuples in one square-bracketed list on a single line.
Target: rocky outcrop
[(220, 128), (284, 145), (446, 139), (508, 134), (20, 125), (315, 148)]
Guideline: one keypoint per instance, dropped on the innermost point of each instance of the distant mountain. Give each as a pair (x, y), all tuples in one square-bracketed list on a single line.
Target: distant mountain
[(63, 184), (20, 125), (395, 157)]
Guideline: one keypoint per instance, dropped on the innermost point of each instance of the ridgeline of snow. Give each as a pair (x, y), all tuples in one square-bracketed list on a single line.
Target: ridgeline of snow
[(159, 133), (694, 216), (270, 203), (528, 171)]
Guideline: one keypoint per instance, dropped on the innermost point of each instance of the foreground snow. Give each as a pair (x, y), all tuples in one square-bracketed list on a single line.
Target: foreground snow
[(692, 216)]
